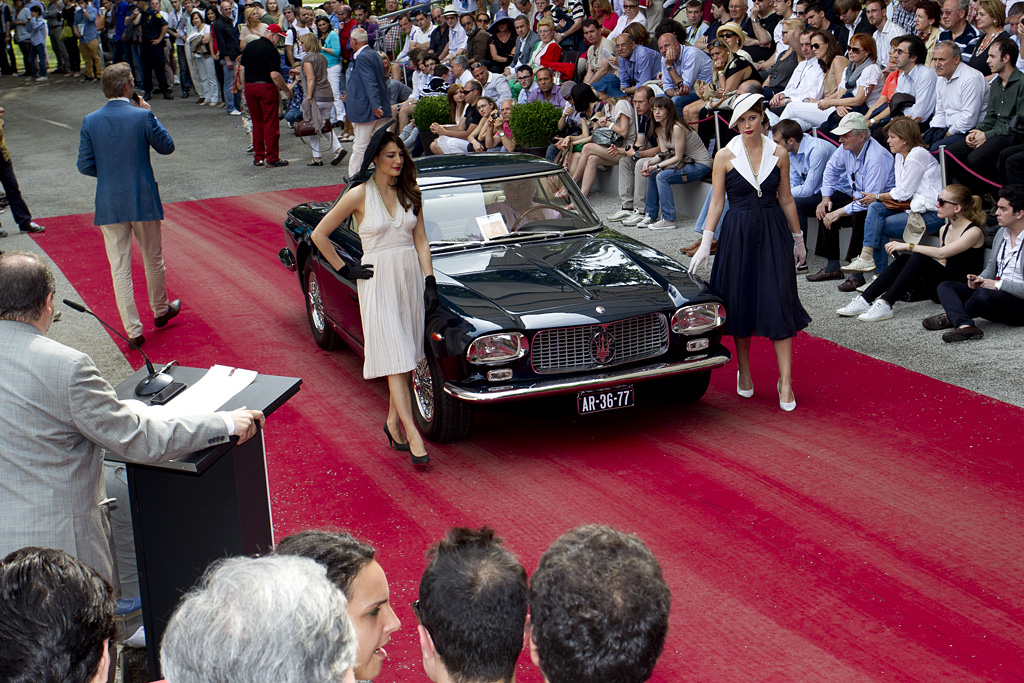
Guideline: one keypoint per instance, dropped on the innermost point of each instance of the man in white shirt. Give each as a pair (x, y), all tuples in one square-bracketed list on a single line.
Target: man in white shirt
[(293, 51), (457, 38), (807, 80), (885, 30), (422, 28), (915, 79), (961, 98), (402, 59), (460, 70), (494, 86), (631, 14)]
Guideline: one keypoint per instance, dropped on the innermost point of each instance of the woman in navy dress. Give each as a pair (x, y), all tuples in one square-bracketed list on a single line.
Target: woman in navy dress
[(754, 270)]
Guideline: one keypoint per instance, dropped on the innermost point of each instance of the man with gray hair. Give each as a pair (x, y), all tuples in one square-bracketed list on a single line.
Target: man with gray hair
[(460, 70), (954, 20), (275, 619), (366, 98), (961, 97)]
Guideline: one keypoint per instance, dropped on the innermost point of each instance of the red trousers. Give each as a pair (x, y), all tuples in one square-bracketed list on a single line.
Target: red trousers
[(264, 102)]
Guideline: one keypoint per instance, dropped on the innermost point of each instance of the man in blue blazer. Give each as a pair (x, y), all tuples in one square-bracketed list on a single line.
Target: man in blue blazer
[(114, 149), (367, 104)]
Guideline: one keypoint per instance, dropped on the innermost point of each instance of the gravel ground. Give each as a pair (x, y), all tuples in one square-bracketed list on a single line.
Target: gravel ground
[(42, 124)]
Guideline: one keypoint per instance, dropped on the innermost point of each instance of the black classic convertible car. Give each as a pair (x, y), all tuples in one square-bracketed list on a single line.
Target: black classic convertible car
[(537, 297)]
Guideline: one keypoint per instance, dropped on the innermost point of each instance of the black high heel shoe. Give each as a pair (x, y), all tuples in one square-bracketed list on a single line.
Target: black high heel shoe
[(403, 447), (419, 459)]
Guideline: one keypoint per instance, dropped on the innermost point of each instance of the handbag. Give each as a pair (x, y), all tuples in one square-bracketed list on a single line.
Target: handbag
[(894, 205), (915, 230), (305, 129), (605, 136), (66, 33)]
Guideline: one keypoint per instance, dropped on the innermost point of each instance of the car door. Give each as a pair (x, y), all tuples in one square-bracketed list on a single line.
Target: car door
[(340, 298)]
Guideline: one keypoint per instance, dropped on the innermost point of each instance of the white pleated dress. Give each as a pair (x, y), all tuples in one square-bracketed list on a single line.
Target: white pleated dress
[(390, 302)]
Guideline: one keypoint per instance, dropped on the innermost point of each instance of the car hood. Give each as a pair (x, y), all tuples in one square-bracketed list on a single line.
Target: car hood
[(575, 275)]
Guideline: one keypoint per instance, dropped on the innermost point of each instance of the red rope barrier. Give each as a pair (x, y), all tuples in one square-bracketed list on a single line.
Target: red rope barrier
[(964, 166), (822, 135)]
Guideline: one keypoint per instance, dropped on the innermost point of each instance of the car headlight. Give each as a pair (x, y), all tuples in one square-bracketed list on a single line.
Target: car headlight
[(698, 318), (497, 348)]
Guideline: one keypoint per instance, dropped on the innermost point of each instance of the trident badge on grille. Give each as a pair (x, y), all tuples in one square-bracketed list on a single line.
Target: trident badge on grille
[(602, 347)]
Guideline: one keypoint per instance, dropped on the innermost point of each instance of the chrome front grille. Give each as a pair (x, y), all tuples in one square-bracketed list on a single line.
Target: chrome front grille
[(572, 349)]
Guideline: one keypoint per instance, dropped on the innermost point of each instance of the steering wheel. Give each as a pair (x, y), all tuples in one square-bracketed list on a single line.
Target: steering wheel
[(524, 214)]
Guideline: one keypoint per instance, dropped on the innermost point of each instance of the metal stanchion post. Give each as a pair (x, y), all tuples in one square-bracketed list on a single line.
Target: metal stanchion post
[(814, 131), (942, 164), (718, 132)]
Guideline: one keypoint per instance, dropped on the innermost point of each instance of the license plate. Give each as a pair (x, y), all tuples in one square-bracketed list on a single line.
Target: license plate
[(601, 400)]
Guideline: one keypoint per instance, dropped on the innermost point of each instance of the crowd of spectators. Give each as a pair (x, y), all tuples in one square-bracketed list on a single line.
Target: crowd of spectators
[(888, 85), (318, 609)]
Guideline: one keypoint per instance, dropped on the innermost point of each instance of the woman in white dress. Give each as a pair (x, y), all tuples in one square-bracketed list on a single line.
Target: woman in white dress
[(395, 280)]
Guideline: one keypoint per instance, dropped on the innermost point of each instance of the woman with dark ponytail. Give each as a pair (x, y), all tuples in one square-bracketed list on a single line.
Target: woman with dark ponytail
[(920, 268)]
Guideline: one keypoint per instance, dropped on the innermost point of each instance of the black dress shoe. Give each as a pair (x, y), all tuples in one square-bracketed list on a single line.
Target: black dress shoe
[(851, 283), (278, 163), (960, 334), (822, 275), (137, 341), (172, 310), (168, 96), (937, 322), (147, 96)]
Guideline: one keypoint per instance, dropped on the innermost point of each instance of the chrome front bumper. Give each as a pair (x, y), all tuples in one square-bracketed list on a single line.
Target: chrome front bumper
[(499, 393)]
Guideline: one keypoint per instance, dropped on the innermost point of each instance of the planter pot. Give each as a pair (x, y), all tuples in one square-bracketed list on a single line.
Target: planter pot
[(426, 137)]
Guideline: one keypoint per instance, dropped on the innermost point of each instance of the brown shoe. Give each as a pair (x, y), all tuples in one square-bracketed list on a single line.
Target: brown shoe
[(172, 310), (690, 250), (851, 283), (822, 276), (937, 322), (137, 341), (962, 334)]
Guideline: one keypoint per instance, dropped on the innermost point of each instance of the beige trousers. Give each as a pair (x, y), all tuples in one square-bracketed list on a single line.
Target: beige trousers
[(363, 133), (118, 240), (91, 57)]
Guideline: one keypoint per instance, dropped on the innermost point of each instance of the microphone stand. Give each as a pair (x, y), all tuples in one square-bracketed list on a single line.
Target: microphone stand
[(156, 381)]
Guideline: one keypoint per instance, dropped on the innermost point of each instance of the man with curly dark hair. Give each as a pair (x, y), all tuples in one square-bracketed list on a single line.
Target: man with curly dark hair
[(598, 608)]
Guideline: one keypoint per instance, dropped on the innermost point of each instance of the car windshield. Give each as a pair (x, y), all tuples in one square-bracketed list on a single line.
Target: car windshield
[(495, 210)]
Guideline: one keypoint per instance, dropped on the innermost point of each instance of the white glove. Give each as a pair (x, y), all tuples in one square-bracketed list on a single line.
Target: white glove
[(799, 250), (704, 252)]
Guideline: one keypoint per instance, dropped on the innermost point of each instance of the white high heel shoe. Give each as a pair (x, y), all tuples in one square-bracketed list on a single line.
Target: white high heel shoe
[(788, 407), (744, 393)]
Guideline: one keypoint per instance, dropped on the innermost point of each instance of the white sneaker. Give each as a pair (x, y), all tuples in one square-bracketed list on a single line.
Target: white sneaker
[(41, 79), (177, 80), (235, 113), (634, 219), (878, 311), (868, 279), (645, 222), (855, 307), (860, 265), (662, 225), (621, 214)]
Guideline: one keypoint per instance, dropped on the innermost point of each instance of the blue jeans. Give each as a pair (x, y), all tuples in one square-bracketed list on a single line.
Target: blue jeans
[(37, 61), (881, 223), (231, 100), (659, 188), (699, 228), (682, 100)]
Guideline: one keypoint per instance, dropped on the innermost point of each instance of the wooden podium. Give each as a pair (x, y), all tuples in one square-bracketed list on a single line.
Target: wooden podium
[(209, 505)]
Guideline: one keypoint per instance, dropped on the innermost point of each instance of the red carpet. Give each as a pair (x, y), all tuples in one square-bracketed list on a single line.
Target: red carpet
[(873, 535)]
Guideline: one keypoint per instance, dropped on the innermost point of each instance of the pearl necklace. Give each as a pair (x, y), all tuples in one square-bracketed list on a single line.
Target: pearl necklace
[(752, 168)]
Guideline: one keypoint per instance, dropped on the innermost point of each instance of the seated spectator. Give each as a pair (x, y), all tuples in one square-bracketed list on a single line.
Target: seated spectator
[(954, 21), (632, 185), (885, 31), (568, 16), (471, 609), (785, 63), (478, 40), (808, 157), (454, 139), (989, 21), (732, 34), (500, 137), (638, 64), (961, 97), (682, 158), (918, 180), (258, 620), (460, 70), (443, 33), (490, 123), (398, 91), (424, 63), (502, 45), (594, 155), (927, 16), (862, 158), (602, 63), (917, 84), (850, 14), (602, 13), (351, 566), (631, 14), (579, 118), (761, 31), (697, 28), (548, 53), (859, 89), (815, 16), (523, 83), (919, 269), (719, 15), (621, 634), (981, 149), (728, 71), (806, 83), (56, 619), (681, 67), (526, 41), (544, 89), (997, 294), (494, 86)]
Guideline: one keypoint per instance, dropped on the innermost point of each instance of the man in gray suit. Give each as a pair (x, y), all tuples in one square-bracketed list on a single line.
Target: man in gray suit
[(526, 41), (57, 415), (366, 98)]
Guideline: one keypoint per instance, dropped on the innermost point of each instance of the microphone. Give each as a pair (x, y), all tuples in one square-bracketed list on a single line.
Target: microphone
[(156, 381)]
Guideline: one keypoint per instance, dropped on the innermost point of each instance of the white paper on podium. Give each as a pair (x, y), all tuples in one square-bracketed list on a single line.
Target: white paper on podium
[(217, 387)]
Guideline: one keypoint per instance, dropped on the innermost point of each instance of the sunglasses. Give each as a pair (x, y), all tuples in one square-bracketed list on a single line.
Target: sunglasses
[(726, 34), (816, 46), (942, 202), (855, 49), (717, 43)]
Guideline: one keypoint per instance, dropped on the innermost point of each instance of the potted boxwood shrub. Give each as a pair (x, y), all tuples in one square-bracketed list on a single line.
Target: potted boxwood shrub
[(534, 125), (431, 109)]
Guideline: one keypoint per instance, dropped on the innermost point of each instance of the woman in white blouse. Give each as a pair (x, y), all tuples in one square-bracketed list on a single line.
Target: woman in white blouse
[(918, 182), (861, 85)]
